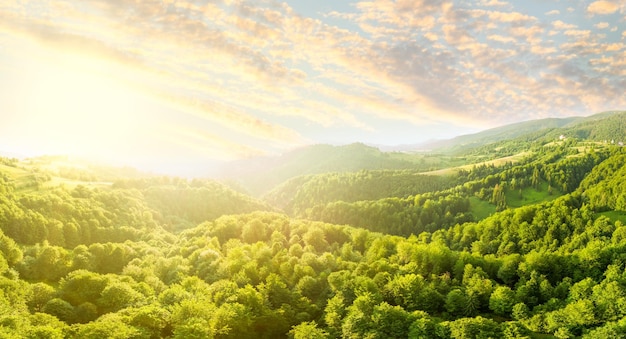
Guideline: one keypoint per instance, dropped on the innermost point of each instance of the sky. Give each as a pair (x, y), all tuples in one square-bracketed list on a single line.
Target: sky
[(169, 85)]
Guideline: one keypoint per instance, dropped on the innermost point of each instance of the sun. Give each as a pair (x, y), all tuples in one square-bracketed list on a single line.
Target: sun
[(78, 106)]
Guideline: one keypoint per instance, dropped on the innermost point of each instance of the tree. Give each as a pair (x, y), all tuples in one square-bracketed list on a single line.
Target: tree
[(334, 313), (42, 325), (502, 300), (40, 294), (110, 326), (391, 321), (423, 327), (60, 309), (152, 319), (307, 330), (456, 302), (82, 286), (479, 327), (498, 198), (316, 238), (520, 311), (535, 178), (358, 321), (118, 295)]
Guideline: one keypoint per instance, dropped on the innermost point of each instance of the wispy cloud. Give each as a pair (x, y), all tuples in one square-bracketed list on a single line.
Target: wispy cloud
[(266, 71)]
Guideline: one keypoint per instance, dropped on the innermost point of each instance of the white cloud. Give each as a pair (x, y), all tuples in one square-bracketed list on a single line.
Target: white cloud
[(255, 64), (500, 38), (577, 33), (601, 25), (602, 7), (558, 24), (493, 3)]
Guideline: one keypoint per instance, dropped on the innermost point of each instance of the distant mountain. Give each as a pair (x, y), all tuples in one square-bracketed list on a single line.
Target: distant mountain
[(259, 175), (498, 134), (608, 126)]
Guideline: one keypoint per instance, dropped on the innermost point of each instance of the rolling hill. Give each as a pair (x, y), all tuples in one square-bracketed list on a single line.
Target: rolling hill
[(532, 248), (261, 174)]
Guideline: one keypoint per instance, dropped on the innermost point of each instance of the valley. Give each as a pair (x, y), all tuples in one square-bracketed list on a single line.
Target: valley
[(500, 234)]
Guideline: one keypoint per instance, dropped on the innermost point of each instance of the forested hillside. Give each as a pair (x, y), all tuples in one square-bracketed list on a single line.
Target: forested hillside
[(260, 175), (531, 248), (606, 127)]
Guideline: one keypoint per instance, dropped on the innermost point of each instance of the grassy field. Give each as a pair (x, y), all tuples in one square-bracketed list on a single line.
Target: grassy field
[(25, 179), (615, 216), (530, 196), (69, 183), (22, 178), (496, 162), (481, 209)]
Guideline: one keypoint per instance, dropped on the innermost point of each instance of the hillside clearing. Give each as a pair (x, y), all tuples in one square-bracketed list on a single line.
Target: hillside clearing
[(495, 162)]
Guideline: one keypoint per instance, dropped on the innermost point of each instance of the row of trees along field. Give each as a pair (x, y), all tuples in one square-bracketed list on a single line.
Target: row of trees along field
[(126, 262)]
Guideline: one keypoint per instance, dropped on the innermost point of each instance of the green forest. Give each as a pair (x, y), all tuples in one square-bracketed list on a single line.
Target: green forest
[(511, 238)]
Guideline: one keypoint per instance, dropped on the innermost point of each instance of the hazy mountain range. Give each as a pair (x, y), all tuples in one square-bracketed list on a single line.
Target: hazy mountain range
[(605, 126)]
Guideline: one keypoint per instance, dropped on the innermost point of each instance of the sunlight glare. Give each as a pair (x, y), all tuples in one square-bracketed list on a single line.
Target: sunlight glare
[(75, 107)]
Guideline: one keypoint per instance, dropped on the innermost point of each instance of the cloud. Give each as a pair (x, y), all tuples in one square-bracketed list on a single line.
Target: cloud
[(601, 25), (262, 72), (234, 119), (540, 50), (511, 17), (493, 3), (602, 7), (558, 24), (577, 33), (500, 38), (52, 37)]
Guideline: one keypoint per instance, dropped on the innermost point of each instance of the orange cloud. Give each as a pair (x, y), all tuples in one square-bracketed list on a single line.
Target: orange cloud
[(558, 24), (602, 7)]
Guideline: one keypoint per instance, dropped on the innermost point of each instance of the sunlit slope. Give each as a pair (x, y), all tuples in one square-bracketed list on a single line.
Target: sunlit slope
[(299, 193), (262, 174), (605, 186), (464, 195), (46, 172), (495, 162), (499, 145), (115, 261), (493, 135), (43, 203), (605, 126), (181, 204)]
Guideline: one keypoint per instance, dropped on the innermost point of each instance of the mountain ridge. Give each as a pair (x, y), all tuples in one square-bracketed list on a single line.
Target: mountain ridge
[(259, 175)]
